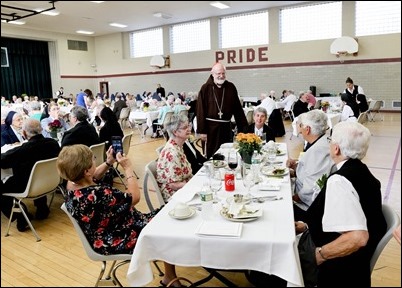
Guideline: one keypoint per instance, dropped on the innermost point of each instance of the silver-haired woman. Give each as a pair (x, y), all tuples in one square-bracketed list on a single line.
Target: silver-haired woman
[(173, 168)]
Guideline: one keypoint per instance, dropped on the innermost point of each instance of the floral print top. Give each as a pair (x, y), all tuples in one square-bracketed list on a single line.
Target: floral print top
[(172, 167), (107, 218)]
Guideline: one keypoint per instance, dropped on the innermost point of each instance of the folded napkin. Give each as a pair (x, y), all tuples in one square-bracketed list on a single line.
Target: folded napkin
[(209, 228), (235, 208)]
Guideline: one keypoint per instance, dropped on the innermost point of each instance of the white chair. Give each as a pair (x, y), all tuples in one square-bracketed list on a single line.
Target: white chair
[(111, 278), (123, 118), (159, 150), (139, 122), (363, 118), (150, 175), (99, 152), (373, 112), (393, 220), (250, 116), (126, 149), (160, 126), (317, 104), (44, 179)]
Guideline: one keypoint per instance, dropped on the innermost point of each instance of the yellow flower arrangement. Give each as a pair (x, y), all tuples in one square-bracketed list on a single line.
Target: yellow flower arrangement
[(248, 142), (325, 104)]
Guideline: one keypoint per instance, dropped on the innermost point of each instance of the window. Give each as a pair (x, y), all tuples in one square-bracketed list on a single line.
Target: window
[(189, 37), (311, 22), (243, 30), (146, 43), (375, 17)]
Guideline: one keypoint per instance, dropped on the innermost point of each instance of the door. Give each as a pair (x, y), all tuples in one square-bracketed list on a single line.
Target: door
[(104, 88)]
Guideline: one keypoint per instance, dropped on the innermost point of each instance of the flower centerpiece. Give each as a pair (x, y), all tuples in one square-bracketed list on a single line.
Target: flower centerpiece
[(54, 127), (324, 106), (62, 103), (247, 143)]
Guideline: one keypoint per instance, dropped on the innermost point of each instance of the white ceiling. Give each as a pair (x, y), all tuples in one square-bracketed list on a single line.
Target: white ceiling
[(85, 15)]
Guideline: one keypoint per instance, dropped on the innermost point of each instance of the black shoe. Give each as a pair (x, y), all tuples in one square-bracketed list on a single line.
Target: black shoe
[(42, 213), (22, 224)]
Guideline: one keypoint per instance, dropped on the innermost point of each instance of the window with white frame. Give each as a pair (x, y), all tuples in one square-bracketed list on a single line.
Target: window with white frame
[(146, 43), (378, 17), (243, 30), (311, 22), (190, 37)]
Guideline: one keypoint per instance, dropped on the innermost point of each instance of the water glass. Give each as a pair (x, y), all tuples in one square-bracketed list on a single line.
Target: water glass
[(215, 182)]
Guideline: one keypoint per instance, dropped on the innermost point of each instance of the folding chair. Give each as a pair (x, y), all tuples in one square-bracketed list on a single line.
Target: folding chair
[(123, 118), (393, 221), (373, 112), (160, 126), (126, 149), (44, 179), (111, 278)]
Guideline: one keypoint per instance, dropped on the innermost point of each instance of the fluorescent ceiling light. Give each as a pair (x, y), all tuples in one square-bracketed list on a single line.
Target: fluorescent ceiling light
[(85, 32), (97, 2), (162, 15), (49, 13), (118, 25), (17, 22), (220, 5)]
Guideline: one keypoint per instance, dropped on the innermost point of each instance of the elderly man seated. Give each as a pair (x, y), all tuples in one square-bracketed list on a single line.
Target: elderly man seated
[(313, 164)]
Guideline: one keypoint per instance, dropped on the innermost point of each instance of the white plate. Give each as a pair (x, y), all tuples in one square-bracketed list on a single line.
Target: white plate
[(245, 200), (223, 214), (171, 214), (270, 172), (218, 163)]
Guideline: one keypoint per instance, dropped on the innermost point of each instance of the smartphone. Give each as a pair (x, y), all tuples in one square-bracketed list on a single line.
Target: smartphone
[(117, 145)]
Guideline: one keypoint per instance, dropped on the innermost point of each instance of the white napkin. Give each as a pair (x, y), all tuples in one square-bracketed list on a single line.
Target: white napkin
[(222, 229), (235, 208)]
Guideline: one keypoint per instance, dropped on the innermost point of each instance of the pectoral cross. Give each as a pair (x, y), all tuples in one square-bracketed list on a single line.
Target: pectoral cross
[(220, 114)]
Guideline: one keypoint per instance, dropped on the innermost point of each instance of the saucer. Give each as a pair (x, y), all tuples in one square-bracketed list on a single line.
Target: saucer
[(171, 214)]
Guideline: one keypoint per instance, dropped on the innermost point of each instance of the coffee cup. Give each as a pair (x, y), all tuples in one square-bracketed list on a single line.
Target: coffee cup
[(181, 210)]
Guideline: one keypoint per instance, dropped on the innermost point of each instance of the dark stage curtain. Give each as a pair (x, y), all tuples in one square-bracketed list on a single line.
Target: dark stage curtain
[(29, 69)]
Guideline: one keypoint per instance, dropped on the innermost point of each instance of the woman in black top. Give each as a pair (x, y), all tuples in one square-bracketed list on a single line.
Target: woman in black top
[(110, 128)]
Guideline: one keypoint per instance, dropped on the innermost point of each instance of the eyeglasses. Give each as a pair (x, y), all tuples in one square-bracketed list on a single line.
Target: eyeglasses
[(189, 126), (329, 139)]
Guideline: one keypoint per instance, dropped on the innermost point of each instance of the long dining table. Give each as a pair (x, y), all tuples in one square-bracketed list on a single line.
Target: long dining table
[(267, 244)]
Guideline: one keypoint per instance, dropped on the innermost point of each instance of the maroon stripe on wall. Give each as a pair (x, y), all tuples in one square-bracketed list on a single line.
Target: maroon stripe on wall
[(259, 66)]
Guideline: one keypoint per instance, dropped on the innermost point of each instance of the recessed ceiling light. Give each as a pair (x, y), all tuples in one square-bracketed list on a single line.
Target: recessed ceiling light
[(118, 25), (220, 5), (84, 32), (162, 15), (49, 13), (17, 22)]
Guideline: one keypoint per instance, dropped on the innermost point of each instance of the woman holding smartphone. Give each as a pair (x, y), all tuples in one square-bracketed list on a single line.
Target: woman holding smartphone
[(110, 128)]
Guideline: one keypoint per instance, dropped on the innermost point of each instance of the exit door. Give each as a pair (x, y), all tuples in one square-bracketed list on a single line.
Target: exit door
[(104, 88)]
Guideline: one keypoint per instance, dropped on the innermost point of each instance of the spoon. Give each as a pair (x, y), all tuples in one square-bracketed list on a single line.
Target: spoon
[(263, 199)]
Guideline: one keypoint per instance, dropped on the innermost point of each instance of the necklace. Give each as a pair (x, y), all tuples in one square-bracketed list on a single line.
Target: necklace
[(216, 101)]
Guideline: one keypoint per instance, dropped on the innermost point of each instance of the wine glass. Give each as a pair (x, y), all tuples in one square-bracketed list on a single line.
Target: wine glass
[(232, 160)]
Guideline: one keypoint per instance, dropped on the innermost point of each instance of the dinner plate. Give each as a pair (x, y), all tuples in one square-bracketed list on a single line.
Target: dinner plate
[(271, 172), (218, 163), (171, 214), (245, 200), (249, 219)]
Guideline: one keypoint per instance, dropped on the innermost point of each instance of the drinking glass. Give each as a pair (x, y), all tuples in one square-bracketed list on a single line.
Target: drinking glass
[(232, 159), (248, 178), (215, 182), (263, 137)]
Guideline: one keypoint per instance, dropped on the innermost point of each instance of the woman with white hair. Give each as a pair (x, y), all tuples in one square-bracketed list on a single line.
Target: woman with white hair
[(345, 220), (173, 168)]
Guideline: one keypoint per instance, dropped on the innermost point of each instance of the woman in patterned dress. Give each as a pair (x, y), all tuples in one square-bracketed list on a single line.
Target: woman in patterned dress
[(106, 215), (173, 168)]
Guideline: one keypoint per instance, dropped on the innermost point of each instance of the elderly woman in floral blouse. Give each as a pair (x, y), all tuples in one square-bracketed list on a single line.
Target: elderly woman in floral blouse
[(173, 169)]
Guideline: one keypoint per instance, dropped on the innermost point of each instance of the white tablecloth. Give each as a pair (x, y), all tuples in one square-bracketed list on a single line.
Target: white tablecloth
[(149, 116), (267, 244)]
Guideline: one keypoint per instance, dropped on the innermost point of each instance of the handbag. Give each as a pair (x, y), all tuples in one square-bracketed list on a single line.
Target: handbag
[(308, 261)]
